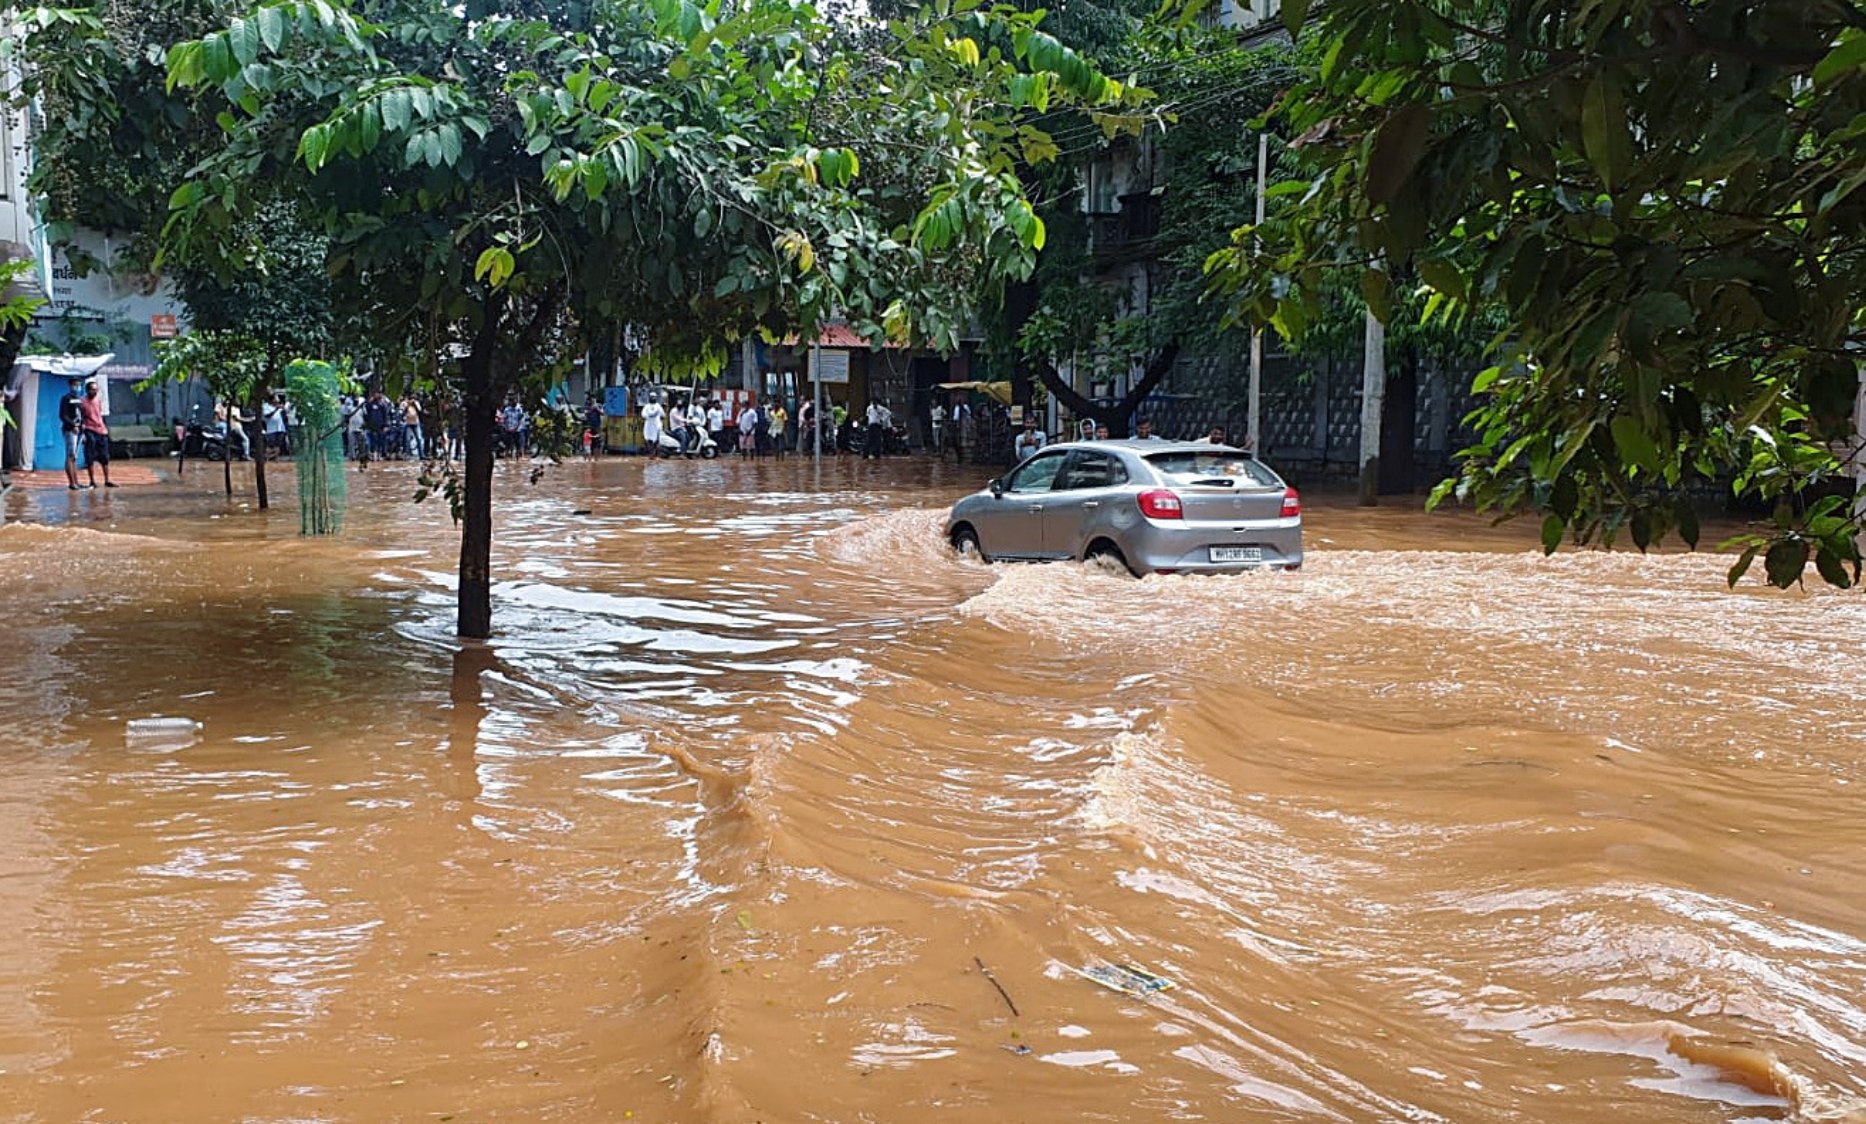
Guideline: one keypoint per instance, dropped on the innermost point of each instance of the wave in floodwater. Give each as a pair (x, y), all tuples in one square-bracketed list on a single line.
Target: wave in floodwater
[(764, 806)]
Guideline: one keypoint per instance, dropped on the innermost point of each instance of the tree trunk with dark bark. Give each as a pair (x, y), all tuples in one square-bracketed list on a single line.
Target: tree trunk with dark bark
[(478, 402), (476, 517), (1116, 416), (256, 441), (11, 340)]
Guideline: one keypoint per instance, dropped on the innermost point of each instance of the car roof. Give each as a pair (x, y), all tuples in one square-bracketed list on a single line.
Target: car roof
[(1139, 447)]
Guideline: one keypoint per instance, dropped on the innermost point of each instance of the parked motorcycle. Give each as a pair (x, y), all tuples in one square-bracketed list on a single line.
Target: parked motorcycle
[(203, 441), (893, 440)]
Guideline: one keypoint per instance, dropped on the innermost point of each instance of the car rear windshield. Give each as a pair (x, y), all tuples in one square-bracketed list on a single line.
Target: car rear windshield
[(1238, 470)]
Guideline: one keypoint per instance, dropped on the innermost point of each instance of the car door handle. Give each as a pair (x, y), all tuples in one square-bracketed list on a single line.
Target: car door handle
[(1036, 507), (1092, 504)]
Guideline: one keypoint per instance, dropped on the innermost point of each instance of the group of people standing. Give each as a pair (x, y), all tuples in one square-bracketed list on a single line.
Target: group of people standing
[(1032, 439), (757, 430), (275, 415), (377, 427)]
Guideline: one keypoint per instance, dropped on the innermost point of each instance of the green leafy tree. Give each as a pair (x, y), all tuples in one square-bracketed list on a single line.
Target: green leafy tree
[(1208, 81), (1662, 203), (231, 364), (275, 308), (487, 182), (115, 139)]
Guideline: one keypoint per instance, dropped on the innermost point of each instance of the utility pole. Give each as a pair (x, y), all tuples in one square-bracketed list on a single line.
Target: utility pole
[(1373, 400), (1254, 422), (816, 398)]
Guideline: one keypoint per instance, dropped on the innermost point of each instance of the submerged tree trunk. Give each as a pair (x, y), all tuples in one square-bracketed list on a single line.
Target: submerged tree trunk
[(256, 441), (226, 466), (475, 619), (498, 355)]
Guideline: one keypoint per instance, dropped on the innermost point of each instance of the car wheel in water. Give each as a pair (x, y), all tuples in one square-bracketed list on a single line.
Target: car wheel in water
[(1107, 557), (965, 544)]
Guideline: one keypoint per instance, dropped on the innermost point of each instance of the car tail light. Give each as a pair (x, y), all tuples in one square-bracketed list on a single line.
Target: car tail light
[(1292, 503), (1161, 504)]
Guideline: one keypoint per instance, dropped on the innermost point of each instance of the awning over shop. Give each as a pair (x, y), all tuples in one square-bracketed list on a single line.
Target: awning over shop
[(1001, 391), (66, 366)]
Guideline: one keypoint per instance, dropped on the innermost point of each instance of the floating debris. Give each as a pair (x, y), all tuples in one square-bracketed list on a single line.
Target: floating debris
[(994, 983), (1129, 979)]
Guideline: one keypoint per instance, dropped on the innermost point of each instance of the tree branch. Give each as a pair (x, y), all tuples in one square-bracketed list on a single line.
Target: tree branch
[(1157, 370)]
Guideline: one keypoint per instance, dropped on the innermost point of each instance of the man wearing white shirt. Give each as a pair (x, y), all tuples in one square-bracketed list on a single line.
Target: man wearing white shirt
[(748, 429), (878, 418), (716, 422), (653, 415)]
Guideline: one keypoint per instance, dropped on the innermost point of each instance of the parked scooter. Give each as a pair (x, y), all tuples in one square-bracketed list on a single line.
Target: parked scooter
[(699, 444)]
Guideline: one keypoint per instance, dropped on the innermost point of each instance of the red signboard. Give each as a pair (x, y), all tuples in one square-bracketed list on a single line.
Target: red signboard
[(162, 326)]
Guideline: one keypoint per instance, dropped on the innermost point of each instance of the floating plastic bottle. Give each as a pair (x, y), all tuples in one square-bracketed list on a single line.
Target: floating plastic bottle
[(163, 728)]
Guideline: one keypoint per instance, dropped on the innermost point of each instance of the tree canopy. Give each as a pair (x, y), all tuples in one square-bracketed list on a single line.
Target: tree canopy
[(490, 184), (1661, 201)]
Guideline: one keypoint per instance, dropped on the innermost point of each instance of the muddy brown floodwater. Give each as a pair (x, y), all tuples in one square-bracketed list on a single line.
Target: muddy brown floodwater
[(756, 777)]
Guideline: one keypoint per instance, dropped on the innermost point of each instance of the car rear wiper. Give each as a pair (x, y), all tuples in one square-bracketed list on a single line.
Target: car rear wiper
[(1214, 481)]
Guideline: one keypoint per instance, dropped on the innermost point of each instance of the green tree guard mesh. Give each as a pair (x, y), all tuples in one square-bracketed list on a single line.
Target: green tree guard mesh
[(313, 388)]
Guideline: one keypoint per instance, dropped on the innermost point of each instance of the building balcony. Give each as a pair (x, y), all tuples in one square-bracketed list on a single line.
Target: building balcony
[(1127, 233)]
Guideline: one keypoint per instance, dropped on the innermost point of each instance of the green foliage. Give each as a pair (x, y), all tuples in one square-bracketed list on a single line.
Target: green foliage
[(16, 303), (19, 299), (494, 187), (667, 164), (1661, 202), (111, 141), (1203, 167), (232, 364), (280, 296)]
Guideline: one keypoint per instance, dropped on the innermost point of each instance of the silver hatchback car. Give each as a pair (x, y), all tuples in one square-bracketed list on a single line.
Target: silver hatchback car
[(1156, 507)]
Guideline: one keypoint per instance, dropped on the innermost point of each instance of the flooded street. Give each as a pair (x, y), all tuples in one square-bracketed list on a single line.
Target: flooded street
[(765, 808)]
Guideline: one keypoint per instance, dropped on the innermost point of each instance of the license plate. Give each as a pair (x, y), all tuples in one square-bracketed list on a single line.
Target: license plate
[(1237, 553)]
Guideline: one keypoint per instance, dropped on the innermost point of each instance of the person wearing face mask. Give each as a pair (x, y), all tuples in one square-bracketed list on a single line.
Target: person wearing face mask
[(71, 420)]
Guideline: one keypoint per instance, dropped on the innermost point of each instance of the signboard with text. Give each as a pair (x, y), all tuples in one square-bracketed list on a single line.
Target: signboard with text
[(832, 365)]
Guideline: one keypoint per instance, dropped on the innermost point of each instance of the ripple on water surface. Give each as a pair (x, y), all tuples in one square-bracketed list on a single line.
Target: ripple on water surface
[(763, 805)]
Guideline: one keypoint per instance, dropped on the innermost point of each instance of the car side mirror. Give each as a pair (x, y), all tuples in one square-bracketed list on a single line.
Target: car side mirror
[(997, 488)]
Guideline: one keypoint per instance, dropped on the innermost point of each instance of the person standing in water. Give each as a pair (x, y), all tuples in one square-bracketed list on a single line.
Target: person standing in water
[(71, 420), (96, 434), (652, 413)]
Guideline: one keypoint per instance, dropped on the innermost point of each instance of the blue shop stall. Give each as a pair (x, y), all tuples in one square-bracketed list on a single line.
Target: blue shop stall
[(33, 389)]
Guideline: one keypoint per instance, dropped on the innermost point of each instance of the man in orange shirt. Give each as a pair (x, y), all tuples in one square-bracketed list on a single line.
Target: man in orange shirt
[(96, 435)]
